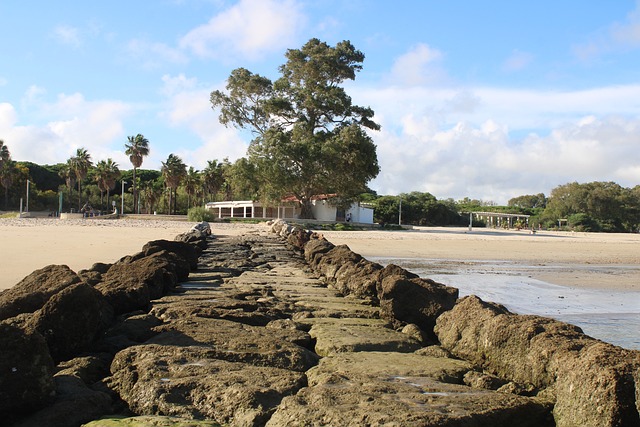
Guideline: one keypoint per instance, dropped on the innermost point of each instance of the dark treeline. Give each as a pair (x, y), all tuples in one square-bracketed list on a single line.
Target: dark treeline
[(174, 189)]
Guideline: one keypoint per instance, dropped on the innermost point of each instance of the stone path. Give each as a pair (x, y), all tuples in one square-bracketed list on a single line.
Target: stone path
[(255, 337)]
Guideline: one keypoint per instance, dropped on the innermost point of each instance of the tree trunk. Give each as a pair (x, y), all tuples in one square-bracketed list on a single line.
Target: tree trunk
[(306, 212), (135, 192)]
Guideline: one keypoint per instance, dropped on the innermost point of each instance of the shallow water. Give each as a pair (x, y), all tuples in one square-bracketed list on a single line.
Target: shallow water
[(611, 316)]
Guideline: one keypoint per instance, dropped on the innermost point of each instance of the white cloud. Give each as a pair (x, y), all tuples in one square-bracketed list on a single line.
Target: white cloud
[(619, 35), (67, 35), (482, 162), (152, 54), (248, 29), (517, 61), (628, 33), (188, 107), (420, 65), (498, 143), (67, 124)]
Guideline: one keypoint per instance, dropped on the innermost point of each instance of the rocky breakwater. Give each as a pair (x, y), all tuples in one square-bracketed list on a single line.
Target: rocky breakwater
[(60, 329), (279, 327)]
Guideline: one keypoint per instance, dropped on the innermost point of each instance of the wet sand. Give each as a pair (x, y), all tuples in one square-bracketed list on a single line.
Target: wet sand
[(583, 260)]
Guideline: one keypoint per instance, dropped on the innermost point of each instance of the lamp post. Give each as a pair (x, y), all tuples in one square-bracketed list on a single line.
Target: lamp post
[(122, 198)]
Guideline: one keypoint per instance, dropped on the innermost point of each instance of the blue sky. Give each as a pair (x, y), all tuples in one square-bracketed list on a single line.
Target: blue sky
[(488, 100)]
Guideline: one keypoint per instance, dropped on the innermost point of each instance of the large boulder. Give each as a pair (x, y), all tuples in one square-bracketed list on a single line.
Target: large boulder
[(187, 251), (315, 249), (93, 275), (32, 292), (192, 382), (298, 237), (601, 385), (594, 383), (71, 320), (26, 371), (418, 301), (392, 270), (90, 368), (195, 237), (523, 349), (130, 285), (359, 279), (75, 404), (330, 262)]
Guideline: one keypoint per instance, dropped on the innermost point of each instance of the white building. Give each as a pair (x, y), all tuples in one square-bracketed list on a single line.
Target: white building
[(321, 208)]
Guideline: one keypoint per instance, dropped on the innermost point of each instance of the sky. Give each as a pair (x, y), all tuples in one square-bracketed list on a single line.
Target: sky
[(487, 100)]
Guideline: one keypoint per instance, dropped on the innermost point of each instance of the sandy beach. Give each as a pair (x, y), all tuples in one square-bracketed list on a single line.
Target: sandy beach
[(589, 260), (28, 244)]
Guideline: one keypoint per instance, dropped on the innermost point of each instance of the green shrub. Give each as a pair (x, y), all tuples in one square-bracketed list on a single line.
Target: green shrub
[(583, 222), (199, 214)]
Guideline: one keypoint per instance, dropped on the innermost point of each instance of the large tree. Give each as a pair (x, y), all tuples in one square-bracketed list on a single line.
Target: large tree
[(137, 148), (310, 138)]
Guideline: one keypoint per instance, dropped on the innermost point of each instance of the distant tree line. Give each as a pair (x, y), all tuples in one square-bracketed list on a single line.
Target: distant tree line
[(176, 187), (173, 189), (594, 206)]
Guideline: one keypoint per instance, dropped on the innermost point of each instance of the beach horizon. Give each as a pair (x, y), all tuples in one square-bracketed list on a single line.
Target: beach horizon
[(613, 259)]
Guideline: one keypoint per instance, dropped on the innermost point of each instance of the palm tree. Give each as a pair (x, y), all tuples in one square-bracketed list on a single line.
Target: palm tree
[(107, 173), (191, 184), (150, 192), (173, 171), (66, 173), (212, 178), (80, 165), (137, 149)]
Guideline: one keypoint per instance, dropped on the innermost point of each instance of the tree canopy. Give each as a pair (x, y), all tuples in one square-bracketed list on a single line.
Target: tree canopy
[(310, 139)]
